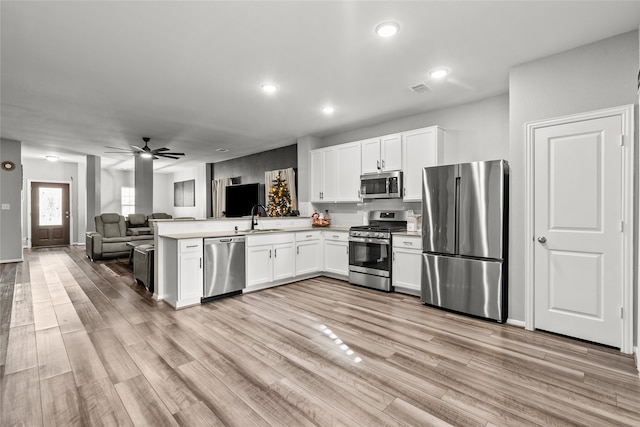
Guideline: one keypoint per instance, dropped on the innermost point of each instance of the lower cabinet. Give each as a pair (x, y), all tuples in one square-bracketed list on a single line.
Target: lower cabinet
[(336, 253), (185, 280), (270, 258), (308, 253), (407, 264)]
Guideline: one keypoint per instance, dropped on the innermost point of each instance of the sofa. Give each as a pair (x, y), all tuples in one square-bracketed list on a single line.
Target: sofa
[(159, 215), (138, 225), (110, 238)]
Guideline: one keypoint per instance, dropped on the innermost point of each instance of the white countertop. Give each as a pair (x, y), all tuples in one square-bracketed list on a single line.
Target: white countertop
[(230, 233)]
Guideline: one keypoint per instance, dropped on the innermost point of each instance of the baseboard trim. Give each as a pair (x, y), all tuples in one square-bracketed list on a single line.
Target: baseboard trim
[(8, 261), (514, 322)]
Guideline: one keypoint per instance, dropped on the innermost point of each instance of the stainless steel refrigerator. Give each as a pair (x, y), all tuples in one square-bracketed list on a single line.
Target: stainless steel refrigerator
[(464, 238)]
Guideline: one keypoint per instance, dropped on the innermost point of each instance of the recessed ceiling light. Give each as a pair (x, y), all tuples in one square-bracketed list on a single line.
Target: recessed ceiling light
[(52, 158), (387, 29), (269, 87), (439, 73), (328, 110), (222, 150)]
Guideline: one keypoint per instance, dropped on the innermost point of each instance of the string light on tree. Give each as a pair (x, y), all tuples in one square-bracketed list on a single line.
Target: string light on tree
[(279, 198)]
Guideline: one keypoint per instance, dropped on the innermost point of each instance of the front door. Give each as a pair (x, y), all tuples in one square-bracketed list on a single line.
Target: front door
[(49, 214), (578, 255)]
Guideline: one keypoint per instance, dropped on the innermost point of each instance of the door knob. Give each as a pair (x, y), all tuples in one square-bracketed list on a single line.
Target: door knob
[(542, 239)]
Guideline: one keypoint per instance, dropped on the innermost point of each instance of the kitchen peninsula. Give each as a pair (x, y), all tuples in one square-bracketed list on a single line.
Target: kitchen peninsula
[(279, 250)]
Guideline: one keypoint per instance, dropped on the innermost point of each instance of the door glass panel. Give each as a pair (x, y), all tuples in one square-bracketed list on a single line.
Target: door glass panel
[(370, 255), (374, 186), (50, 206)]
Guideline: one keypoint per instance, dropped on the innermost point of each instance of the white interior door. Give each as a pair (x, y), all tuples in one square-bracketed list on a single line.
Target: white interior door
[(578, 211)]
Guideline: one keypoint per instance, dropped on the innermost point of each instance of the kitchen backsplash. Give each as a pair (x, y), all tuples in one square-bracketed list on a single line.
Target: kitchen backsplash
[(348, 214)]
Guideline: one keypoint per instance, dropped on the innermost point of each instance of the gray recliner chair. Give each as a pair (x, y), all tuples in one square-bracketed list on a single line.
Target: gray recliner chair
[(110, 238)]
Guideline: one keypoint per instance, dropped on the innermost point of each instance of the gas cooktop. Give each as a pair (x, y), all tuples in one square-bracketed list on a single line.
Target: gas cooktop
[(381, 224)]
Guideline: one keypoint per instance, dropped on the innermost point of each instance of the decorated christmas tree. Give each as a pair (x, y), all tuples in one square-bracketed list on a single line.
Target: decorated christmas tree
[(279, 198)]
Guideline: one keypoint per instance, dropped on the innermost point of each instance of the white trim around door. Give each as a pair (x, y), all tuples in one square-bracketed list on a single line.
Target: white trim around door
[(627, 169)]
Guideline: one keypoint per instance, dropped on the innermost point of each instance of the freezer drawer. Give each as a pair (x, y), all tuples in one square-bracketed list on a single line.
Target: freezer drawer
[(469, 286)]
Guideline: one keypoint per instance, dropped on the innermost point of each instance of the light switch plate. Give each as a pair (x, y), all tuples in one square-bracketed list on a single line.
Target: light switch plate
[(6, 206)]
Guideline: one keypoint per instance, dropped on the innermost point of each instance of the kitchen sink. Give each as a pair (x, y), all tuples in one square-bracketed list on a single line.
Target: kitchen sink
[(263, 230)]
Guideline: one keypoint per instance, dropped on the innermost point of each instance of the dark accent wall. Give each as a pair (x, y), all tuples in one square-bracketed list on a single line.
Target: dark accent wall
[(250, 169)]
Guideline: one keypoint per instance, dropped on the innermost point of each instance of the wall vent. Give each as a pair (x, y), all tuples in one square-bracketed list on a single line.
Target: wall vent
[(420, 88)]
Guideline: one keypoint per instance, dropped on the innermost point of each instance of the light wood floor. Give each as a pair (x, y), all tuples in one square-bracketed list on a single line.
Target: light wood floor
[(82, 344)]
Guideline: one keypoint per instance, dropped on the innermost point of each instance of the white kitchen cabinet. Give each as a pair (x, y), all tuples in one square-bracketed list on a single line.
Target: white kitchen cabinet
[(308, 253), (335, 173), (406, 270), (259, 265), (420, 148), (270, 259), (284, 261), (324, 175), (382, 154), (348, 182), (336, 253), (184, 272)]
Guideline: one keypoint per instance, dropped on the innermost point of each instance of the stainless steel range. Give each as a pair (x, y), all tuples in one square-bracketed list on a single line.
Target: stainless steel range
[(370, 249)]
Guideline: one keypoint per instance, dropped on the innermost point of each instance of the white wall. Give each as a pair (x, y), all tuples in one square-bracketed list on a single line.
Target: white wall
[(65, 172), (163, 193), (112, 181), (591, 77), (199, 173), (474, 132)]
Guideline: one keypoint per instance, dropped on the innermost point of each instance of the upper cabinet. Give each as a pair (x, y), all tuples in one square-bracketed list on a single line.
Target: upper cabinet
[(336, 170), (420, 148), (382, 154), (335, 173), (324, 180)]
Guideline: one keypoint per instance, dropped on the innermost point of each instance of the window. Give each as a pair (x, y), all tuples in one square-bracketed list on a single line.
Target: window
[(128, 195)]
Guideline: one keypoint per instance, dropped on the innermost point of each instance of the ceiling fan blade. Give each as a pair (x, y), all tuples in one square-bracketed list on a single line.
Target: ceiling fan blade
[(167, 156), (173, 154), (118, 152), (157, 150), (135, 147), (117, 148)]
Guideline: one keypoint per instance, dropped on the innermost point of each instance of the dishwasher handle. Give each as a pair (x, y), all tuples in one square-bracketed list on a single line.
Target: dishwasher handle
[(223, 240)]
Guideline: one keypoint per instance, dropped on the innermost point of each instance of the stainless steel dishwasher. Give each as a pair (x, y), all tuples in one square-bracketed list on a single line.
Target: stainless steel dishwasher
[(224, 270)]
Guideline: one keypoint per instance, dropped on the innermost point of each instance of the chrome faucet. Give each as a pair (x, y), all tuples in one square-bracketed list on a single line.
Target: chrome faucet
[(255, 222)]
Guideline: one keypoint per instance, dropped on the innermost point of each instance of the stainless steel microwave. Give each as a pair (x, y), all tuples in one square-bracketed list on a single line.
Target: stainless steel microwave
[(386, 185)]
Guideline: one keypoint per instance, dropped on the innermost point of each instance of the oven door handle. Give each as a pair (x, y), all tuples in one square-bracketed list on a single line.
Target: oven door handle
[(368, 240)]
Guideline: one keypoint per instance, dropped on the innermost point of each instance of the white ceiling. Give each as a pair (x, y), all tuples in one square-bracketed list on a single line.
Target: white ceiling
[(79, 76)]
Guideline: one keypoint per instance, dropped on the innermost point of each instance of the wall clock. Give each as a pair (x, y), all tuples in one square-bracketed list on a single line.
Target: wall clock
[(8, 166)]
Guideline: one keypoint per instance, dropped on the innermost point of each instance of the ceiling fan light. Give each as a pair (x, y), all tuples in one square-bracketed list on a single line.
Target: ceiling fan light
[(146, 155)]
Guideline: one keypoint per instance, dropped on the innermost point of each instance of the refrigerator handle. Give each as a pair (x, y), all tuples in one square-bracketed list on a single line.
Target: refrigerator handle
[(457, 217)]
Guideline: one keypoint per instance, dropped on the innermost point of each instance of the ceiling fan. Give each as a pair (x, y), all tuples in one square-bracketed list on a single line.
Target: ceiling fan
[(146, 151)]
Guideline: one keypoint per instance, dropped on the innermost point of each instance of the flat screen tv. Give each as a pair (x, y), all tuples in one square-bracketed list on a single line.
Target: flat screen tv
[(241, 198)]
